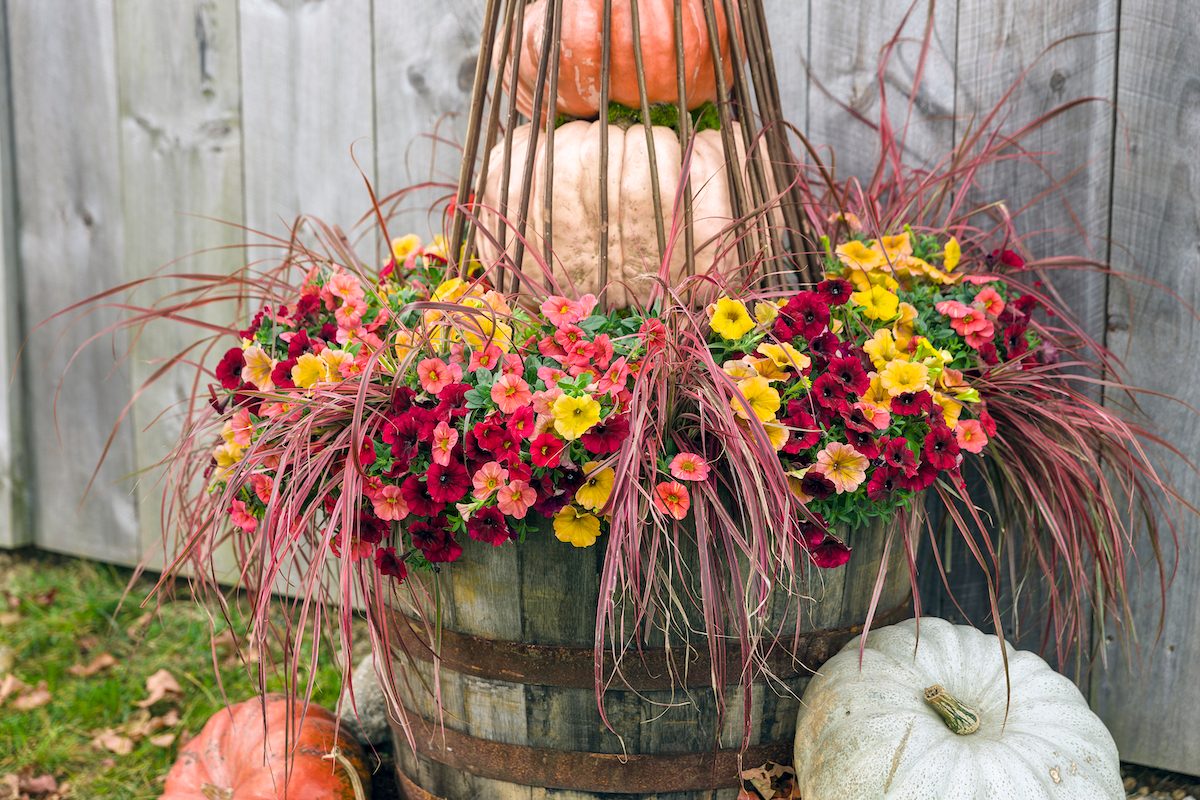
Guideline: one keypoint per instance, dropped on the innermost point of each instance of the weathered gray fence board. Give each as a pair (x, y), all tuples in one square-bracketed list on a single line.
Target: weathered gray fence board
[(422, 93), (789, 31), (1150, 703), (181, 156), (15, 529), (307, 98), (1047, 54), (69, 194)]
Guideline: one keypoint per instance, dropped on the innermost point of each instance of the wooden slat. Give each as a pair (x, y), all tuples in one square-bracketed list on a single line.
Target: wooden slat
[(1149, 702), (1069, 50), (70, 239), (789, 30), (306, 99), (422, 93), (15, 529), (181, 156), (845, 51)]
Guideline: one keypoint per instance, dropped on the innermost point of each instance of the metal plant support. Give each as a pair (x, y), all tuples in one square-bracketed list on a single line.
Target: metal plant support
[(752, 100)]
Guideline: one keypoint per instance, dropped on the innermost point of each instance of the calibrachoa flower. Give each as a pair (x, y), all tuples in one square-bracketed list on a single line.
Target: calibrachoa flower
[(575, 527), (672, 498), (689, 467), (573, 416)]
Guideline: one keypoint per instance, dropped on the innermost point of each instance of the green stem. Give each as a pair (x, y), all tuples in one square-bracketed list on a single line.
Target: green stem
[(959, 718)]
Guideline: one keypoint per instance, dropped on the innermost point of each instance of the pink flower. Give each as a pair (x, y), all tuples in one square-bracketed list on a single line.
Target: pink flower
[(487, 358), (993, 303), (262, 487), (614, 377), (550, 375), (488, 479), (350, 314), (878, 416), (953, 309), (970, 435), (672, 498), (982, 336), (444, 439), (512, 364), (345, 286), (241, 517), (243, 427), (511, 393), (843, 466), (560, 311), (515, 498), (435, 374), (390, 504), (689, 467)]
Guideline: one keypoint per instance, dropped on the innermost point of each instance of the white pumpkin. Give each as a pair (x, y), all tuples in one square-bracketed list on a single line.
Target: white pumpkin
[(632, 235), (927, 722)]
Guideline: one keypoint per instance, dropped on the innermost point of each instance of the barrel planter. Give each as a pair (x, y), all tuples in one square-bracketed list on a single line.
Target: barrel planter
[(516, 677)]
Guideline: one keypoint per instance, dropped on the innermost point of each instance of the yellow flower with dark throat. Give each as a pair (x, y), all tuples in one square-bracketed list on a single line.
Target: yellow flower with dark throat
[(730, 319), (576, 528), (596, 488)]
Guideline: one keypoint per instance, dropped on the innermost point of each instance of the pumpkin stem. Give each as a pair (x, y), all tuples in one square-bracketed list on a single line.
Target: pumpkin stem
[(959, 718), (355, 781)]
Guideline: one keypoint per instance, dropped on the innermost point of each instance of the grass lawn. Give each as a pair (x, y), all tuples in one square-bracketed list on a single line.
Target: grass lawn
[(56, 613)]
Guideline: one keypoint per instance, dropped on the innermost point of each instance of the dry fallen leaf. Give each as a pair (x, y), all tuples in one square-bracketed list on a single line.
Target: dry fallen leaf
[(162, 739), (100, 662), (33, 698), (9, 618), (112, 741), (46, 598), (139, 625), (10, 787), (161, 686), (40, 785), (771, 781), (11, 685)]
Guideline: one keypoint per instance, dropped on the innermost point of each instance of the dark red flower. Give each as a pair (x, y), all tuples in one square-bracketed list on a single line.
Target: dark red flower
[(812, 531), (863, 441), (608, 436), (850, 373), (520, 471), (329, 331), (493, 436), (452, 401), (371, 528), (366, 452), (1015, 343), (804, 431), (434, 541), (830, 554), (835, 291), (654, 334), (402, 399), (388, 563), (1008, 258), (488, 525), (307, 304), (299, 344), (546, 450), (252, 328), (883, 481), (897, 453), (987, 354), (281, 376), (989, 424), (941, 448), (922, 479), (229, 369), (522, 422), (416, 493), (825, 347), (816, 485), (912, 404), (828, 392), (403, 434), (447, 484), (806, 314), (1026, 303), (550, 500)]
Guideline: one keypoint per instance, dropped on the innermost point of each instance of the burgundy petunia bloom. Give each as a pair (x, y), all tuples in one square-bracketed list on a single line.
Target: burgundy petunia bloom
[(806, 314), (371, 528), (308, 303), (825, 347), (816, 485), (988, 354), (1015, 343), (804, 431), (828, 392), (229, 369), (452, 401), (1008, 258), (812, 531), (608, 436), (941, 448), (329, 331), (922, 479), (281, 376), (1026, 303), (416, 493), (835, 291), (447, 484), (864, 442), (402, 399), (388, 563), (849, 372), (912, 404), (883, 481), (989, 424), (299, 344), (435, 541), (252, 328), (830, 554), (488, 525), (897, 453)]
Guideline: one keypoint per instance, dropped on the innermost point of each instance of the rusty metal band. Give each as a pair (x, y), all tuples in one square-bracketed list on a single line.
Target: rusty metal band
[(409, 790), (648, 669), (602, 773)]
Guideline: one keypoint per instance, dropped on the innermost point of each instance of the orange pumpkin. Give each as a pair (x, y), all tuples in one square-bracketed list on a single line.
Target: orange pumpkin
[(581, 53), (235, 758), (633, 261)]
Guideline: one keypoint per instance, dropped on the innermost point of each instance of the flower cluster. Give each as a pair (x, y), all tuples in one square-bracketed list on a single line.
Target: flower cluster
[(863, 384)]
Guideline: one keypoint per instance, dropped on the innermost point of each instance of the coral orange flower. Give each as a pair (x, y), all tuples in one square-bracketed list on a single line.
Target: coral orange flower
[(510, 393), (689, 467), (389, 504), (444, 439), (843, 466), (672, 498), (488, 479), (515, 499), (435, 375), (970, 435)]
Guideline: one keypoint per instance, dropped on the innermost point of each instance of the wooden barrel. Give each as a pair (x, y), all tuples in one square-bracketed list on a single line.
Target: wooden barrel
[(519, 716)]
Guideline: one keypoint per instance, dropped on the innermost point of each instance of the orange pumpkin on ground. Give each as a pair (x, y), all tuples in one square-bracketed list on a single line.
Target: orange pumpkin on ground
[(581, 53), (633, 264), (235, 758)]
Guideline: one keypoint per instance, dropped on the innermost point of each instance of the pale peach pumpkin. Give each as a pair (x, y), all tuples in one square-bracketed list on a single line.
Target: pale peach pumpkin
[(632, 235), (580, 56)]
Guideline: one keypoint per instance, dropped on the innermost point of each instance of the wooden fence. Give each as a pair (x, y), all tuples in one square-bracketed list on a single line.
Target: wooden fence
[(124, 119)]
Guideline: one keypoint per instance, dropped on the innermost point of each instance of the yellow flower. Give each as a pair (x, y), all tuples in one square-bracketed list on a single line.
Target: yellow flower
[(580, 530), (258, 367), (730, 319), (879, 303), (845, 467), (766, 313), (741, 368), (333, 361), (777, 433), (902, 329), (951, 408), (931, 357), (882, 348), (878, 277), (760, 399), (404, 246), (596, 488), (877, 395), (785, 356), (766, 368), (903, 377), (951, 255), (438, 248), (450, 291), (309, 370), (404, 344), (896, 247), (574, 416), (228, 454), (857, 256)]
